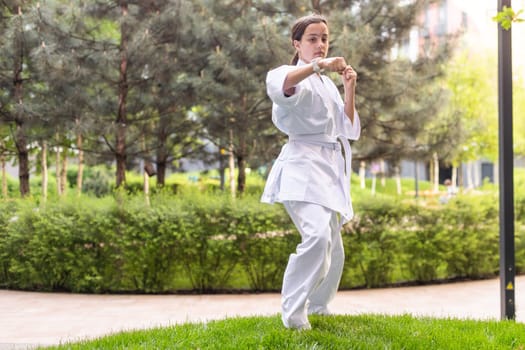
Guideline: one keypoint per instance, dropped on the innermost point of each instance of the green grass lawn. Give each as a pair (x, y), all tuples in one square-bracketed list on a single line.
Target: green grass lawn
[(328, 332)]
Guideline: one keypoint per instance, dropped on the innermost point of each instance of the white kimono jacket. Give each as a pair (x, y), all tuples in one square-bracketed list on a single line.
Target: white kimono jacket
[(311, 166)]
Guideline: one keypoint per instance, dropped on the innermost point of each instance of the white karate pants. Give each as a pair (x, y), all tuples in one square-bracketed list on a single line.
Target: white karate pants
[(313, 273)]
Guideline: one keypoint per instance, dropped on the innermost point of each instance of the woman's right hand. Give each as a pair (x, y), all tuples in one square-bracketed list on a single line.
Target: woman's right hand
[(333, 64)]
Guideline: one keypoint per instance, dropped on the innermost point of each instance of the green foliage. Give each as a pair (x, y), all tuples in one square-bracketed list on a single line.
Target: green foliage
[(265, 239), (60, 246), (507, 16), (97, 181), (150, 245), (329, 332), (120, 244), (472, 248), (143, 80), (390, 241), (371, 242), (200, 239), (206, 242), (471, 110), (425, 244), (208, 246)]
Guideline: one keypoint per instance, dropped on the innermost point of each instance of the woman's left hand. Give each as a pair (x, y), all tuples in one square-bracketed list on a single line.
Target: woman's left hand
[(349, 75)]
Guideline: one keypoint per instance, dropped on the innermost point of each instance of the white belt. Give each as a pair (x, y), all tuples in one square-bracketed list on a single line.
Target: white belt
[(348, 168)]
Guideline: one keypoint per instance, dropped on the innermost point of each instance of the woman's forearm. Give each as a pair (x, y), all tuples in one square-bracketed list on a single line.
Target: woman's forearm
[(350, 102), (295, 76)]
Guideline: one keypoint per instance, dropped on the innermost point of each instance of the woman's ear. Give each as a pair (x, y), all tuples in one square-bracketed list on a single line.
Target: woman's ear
[(296, 44)]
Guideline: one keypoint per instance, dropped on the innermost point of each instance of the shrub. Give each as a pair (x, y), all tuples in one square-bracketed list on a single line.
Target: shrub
[(193, 241), (97, 181), (371, 242)]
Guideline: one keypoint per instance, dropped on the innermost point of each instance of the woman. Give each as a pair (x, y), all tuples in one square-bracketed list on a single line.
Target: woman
[(311, 177)]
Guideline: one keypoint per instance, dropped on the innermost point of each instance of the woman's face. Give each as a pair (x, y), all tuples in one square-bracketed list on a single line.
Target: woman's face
[(314, 43)]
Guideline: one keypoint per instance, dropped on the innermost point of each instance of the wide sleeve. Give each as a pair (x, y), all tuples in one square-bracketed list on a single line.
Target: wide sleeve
[(350, 130), (274, 87), (302, 113)]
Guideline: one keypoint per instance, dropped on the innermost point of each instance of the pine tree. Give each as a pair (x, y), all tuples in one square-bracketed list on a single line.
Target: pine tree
[(82, 55), (397, 98), (241, 46), (17, 38), (174, 63), (65, 71), (148, 79), (103, 47)]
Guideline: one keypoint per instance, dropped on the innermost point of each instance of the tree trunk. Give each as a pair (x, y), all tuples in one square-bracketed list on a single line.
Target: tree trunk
[(316, 5), (231, 164), (398, 180), (20, 140), (145, 170), (382, 165), (431, 173), (436, 171), (162, 155), (161, 170), (461, 177), (4, 175), (63, 172), (146, 187), (222, 168), (241, 165), (23, 160), (241, 152), (362, 173), (58, 179), (43, 164), (241, 176), (120, 148), (80, 172)]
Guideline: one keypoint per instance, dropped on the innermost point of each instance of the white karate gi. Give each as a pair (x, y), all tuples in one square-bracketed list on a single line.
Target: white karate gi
[(312, 179)]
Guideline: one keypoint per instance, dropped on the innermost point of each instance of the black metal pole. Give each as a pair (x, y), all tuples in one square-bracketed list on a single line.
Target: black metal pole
[(506, 171)]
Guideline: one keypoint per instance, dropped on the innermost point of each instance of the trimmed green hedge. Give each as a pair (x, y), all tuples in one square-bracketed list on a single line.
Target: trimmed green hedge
[(194, 242)]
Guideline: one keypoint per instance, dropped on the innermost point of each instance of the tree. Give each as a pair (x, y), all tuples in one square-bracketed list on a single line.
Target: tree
[(242, 45), (17, 39), (472, 102), (174, 65), (86, 55), (395, 113), (396, 98), (124, 80), (107, 41), (6, 154), (65, 67)]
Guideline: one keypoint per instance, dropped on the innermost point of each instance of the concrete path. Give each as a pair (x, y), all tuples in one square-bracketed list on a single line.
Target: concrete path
[(28, 319)]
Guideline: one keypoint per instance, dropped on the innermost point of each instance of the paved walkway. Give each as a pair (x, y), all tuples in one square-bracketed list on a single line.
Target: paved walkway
[(28, 319)]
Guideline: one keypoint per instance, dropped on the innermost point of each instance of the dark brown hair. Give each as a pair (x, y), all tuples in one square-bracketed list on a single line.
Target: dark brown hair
[(300, 26)]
